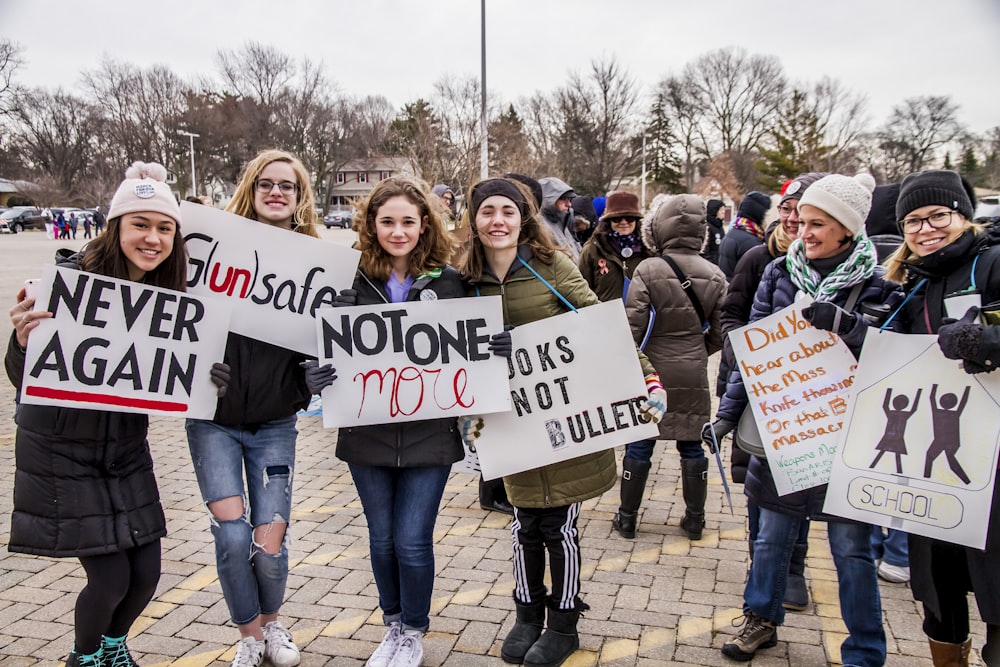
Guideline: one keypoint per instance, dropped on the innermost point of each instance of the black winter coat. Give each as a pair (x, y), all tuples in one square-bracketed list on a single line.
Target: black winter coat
[(734, 245), (266, 383), (429, 442)]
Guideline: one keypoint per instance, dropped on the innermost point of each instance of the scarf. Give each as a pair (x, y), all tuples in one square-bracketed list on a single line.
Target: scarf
[(749, 226), (857, 268), (621, 241)]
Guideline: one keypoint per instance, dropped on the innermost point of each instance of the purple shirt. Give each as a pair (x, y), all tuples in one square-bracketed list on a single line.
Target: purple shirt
[(398, 290)]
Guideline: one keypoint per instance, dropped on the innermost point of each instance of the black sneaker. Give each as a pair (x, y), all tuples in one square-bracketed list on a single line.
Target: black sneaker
[(757, 633)]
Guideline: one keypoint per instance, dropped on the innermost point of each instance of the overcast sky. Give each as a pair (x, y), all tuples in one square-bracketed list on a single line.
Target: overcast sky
[(886, 49)]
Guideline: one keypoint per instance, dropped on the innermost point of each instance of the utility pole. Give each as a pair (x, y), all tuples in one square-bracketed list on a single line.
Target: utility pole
[(194, 181)]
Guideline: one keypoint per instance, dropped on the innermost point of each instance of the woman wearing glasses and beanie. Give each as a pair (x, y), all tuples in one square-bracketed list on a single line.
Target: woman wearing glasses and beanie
[(944, 254), (253, 431)]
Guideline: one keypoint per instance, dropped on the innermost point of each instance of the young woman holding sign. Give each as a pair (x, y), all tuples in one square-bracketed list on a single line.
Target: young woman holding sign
[(254, 432), (84, 485), (951, 269), (513, 256)]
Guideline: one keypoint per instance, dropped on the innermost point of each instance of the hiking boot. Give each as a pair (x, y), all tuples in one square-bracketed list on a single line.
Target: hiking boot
[(387, 649), (410, 651), (757, 633), (76, 660), (526, 631), (249, 652), (281, 650), (116, 653)]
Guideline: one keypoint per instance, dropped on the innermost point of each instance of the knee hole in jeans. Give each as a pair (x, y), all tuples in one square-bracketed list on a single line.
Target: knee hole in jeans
[(233, 508), (269, 537)]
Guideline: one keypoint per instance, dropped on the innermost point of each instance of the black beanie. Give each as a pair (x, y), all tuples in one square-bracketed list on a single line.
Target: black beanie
[(935, 186), (754, 206), (584, 206), (533, 185), (882, 218), (497, 186)]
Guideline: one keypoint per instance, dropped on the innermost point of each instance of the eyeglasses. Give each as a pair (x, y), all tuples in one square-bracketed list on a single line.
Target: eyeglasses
[(265, 186), (785, 209), (938, 220)]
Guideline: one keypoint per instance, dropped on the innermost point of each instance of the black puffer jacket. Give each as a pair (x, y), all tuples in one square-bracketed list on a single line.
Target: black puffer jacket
[(267, 383), (734, 245), (430, 442)]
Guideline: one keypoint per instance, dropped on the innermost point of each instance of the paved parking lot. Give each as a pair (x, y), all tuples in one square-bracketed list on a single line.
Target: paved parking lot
[(656, 600)]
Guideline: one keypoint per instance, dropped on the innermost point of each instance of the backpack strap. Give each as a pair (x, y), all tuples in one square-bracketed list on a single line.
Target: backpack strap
[(689, 290)]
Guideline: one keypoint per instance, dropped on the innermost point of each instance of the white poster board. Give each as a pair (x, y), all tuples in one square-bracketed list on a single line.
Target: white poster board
[(122, 346), (575, 386), (920, 453), (274, 279), (413, 360), (798, 379)]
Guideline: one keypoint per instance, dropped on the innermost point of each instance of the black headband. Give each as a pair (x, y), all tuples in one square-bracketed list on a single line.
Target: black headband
[(498, 186)]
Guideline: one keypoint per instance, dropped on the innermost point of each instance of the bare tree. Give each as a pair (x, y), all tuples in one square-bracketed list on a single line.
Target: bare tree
[(541, 131), (676, 99), (457, 106), (257, 71), (843, 118), (916, 130), (10, 61)]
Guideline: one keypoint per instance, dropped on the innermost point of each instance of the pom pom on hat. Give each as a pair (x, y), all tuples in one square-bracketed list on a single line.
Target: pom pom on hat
[(145, 190), (847, 200)]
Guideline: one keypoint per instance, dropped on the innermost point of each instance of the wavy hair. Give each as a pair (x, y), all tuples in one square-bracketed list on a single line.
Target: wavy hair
[(104, 256), (304, 219), (898, 263)]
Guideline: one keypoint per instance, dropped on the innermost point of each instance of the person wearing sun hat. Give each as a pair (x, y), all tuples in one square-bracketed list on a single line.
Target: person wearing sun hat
[(833, 261)]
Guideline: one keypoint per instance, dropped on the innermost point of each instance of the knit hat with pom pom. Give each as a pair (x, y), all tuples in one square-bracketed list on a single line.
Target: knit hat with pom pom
[(145, 190), (847, 200)]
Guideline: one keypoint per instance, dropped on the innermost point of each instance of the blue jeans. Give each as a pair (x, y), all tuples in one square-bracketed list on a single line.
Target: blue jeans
[(860, 604), (401, 506), (253, 582), (893, 548), (642, 450)]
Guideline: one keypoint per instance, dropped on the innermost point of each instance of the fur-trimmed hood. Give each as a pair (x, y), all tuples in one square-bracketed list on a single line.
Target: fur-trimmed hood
[(675, 222)]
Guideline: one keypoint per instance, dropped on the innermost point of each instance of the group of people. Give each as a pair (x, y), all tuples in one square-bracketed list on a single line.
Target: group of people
[(59, 227), (85, 488)]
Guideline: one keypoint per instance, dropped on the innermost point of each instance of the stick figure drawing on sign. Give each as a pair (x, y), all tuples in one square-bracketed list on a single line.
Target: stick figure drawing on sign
[(946, 418), (895, 425)]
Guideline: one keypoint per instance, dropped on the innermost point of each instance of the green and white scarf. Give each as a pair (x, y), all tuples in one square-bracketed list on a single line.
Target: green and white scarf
[(857, 268)]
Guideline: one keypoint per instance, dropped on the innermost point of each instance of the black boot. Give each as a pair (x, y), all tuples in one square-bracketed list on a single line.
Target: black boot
[(694, 478), (634, 475), (526, 631), (493, 496), (558, 642), (796, 592)]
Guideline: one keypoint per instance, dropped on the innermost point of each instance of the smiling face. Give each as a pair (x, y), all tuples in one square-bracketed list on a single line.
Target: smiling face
[(622, 225), (276, 206), (498, 223), (927, 240), (788, 215), (822, 235), (398, 227), (146, 240)]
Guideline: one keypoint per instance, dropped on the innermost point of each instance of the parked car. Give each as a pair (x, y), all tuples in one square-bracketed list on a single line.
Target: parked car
[(19, 218), (989, 207), (4, 227), (339, 218)]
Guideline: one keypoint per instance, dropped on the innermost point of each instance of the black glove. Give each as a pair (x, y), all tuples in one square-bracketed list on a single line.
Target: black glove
[(220, 375), (959, 339), (318, 377), (721, 427), (347, 297), (500, 343), (829, 317)]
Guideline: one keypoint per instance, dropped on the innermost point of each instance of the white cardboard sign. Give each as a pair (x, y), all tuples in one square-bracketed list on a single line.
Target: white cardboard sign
[(920, 454), (798, 379), (123, 346), (412, 360), (575, 386), (274, 279)]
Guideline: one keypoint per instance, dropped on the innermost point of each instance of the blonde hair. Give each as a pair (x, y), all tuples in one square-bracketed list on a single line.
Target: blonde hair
[(779, 241), (897, 264), (304, 219)]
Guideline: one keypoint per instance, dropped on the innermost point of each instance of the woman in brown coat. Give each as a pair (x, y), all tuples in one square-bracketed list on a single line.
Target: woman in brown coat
[(679, 341)]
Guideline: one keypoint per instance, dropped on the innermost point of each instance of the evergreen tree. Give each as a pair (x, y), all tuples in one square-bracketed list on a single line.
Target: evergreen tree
[(795, 145), (663, 165)]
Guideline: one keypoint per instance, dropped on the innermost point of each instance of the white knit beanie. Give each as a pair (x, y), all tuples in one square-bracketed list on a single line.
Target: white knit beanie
[(847, 200), (145, 189)]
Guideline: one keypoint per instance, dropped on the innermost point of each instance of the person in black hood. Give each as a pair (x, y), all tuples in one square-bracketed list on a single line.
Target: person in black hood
[(715, 231)]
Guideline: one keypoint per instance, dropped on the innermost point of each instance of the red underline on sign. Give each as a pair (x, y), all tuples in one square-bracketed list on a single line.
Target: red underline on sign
[(104, 399)]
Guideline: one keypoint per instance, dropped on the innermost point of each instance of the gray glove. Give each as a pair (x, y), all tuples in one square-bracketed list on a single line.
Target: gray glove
[(347, 297), (721, 428), (318, 377), (220, 374)]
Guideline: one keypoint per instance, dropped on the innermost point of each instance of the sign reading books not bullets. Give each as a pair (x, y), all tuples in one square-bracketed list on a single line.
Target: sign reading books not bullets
[(275, 280), (123, 346), (576, 386), (412, 360), (922, 442), (799, 381)]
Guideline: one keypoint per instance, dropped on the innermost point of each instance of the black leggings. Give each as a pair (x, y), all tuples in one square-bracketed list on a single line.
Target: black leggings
[(119, 586)]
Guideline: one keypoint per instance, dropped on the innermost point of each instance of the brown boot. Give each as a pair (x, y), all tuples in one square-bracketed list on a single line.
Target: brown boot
[(944, 654)]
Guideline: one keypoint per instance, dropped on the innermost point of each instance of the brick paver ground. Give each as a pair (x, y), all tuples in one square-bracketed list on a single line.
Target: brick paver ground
[(657, 600)]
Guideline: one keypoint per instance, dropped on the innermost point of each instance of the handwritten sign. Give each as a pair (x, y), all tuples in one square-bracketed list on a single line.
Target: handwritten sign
[(798, 379), (576, 386), (412, 360), (919, 455), (124, 347), (275, 280)]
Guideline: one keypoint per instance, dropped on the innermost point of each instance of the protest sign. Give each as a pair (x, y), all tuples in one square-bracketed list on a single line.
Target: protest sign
[(275, 280), (576, 386), (798, 379), (123, 346), (412, 360), (920, 453)]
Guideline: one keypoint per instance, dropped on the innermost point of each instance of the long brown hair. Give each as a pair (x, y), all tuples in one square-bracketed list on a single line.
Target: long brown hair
[(434, 247), (304, 219), (898, 263), (104, 256)]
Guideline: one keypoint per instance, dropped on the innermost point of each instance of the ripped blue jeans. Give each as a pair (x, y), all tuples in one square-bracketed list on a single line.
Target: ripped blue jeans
[(253, 582)]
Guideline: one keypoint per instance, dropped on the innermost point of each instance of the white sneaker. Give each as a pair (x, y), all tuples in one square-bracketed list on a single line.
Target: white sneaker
[(893, 573), (249, 653), (281, 650), (387, 649), (410, 651)]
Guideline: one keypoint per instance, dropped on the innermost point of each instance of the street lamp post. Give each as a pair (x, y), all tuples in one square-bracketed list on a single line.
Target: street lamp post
[(194, 181)]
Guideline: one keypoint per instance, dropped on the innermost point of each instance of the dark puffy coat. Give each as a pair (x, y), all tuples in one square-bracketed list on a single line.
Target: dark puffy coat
[(777, 291), (429, 442), (266, 383), (603, 268), (735, 244)]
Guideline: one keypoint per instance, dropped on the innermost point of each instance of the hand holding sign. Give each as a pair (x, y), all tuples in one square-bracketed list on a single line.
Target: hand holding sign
[(655, 406), (221, 375), (959, 339), (829, 317), (24, 318), (500, 343), (318, 377)]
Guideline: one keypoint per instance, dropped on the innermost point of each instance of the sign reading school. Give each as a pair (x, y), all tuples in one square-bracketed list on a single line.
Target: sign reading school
[(275, 280), (123, 346), (798, 379), (412, 360), (576, 386)]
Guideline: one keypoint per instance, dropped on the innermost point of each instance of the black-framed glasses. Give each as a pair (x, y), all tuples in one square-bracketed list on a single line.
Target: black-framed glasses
[(265, 186), (938, 220)]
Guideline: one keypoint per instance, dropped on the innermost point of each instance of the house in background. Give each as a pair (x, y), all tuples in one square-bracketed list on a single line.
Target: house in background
[(356, 179)]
